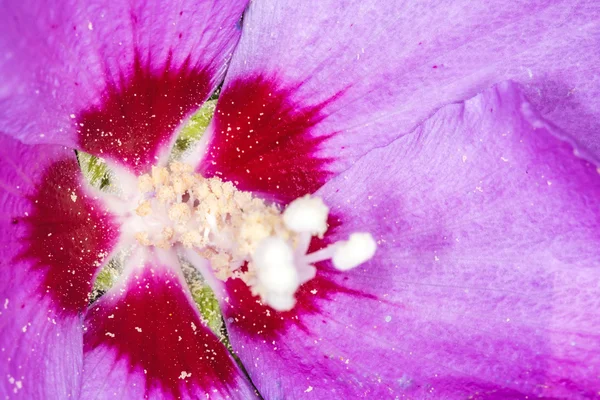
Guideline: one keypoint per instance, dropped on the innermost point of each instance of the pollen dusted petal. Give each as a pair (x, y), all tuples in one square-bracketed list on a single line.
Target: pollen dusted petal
[(69, 235), (146, 340), (376, 69), (485, 280), (138, 116), (53, 238), (261, 139), (133, 71)]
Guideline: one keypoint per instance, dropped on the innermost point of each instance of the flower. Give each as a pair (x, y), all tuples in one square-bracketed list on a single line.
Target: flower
[(485, 279)]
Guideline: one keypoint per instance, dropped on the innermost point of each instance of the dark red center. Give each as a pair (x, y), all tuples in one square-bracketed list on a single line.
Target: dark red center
[(263, 141), (68, 236), (155, 327), (138, 115)]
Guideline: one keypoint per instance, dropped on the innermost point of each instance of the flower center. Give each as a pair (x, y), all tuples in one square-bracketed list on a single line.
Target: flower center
[(241, 236)]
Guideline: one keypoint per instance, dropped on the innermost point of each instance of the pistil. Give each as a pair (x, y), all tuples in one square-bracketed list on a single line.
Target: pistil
[(232, 228)]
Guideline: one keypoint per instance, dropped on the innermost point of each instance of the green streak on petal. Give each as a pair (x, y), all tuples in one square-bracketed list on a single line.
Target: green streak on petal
[(97, 173), (94, 170), (99, 176), (105, 279), (195, 127), (209, 308), (205, 299)]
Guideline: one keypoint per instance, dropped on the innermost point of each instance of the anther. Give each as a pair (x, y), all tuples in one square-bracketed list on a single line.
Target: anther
[(180, 213), (166, 194), (160, 175), (144, 209), (145, 184)]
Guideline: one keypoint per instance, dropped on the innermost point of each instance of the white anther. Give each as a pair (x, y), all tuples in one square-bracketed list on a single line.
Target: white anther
[(142, 238), (306, 214), (228, 190), (201, 190), (242, 199), (216, 186), (167, 233), (179, 167), (360, 247), (189, 180), (276, 272), (191, 239)]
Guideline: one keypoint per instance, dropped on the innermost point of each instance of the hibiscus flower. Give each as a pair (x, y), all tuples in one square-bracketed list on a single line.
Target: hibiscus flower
[(461, 137)]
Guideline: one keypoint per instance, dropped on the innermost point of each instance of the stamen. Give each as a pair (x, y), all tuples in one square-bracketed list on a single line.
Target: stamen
[(230, 228)]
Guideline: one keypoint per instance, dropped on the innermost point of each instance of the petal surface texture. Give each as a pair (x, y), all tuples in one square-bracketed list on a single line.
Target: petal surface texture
[(311, 87), (53, 238), (146, 340), (113, 78), (486, 278)]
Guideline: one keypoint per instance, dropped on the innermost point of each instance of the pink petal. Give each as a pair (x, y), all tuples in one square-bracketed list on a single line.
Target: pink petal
[(53, 238), (113, 78), (146, 340), (485, 281), (364, 73)]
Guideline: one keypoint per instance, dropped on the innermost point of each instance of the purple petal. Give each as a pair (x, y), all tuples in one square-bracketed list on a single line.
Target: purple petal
[(485, 281), (146, 340), (363, 74), (113, 78), (53, 238)]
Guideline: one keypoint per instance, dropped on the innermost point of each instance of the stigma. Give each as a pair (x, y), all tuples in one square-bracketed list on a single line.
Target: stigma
[(240, 235)]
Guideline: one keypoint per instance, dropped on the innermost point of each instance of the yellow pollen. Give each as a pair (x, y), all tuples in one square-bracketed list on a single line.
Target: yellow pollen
[(210, 216), (166, 194), (145, 208), (180, 213), (160, 175)]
